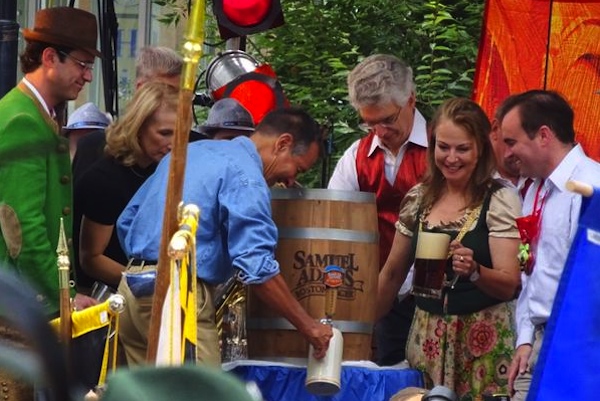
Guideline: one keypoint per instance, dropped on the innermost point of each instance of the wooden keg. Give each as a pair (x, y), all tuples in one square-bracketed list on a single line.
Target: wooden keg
[(317, 228)]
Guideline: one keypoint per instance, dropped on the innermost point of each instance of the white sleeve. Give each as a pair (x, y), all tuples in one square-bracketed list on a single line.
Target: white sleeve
[(525, 329), (344, 175), (407, 285)]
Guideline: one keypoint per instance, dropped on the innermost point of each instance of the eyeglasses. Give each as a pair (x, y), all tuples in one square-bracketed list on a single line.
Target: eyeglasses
[(385, 123), (85, 66)]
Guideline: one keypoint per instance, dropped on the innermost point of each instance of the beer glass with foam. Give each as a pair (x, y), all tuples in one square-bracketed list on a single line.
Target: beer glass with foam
[(430, 264)]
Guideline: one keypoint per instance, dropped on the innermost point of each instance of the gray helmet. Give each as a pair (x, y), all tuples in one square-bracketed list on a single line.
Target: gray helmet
[(227, 113)]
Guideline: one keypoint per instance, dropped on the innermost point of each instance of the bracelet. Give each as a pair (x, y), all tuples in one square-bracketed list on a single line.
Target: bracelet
[(476, 273)]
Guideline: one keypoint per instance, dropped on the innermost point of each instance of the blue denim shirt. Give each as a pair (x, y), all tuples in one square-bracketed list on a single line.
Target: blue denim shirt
[(236, 231)]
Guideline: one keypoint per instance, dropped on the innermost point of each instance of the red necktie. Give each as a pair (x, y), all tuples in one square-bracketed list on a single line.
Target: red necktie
[(525, 187)]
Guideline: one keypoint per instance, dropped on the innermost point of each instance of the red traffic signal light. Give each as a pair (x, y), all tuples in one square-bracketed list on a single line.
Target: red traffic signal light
[(237, 75), (244, 17)]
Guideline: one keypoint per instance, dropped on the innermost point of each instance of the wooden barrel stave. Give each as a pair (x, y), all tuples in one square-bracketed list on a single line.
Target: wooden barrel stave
[(318, 228)]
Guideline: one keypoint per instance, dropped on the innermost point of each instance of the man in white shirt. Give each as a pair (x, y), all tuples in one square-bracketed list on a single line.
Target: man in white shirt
[(388, 161), (537, 127)]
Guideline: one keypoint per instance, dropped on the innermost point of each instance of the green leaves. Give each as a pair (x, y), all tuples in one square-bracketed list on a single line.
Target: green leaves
[(446, 70), (323, 40), (173, 11), (319, 45)]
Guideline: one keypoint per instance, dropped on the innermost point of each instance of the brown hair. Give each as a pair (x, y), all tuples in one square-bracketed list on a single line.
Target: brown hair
[(468, 115), (542, 107), (31, 57)]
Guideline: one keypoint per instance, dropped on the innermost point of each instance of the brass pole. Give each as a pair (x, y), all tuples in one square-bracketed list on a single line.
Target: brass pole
[(191, 52), (64, 278)]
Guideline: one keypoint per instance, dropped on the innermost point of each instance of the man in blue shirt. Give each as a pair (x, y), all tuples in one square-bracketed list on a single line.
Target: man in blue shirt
[(229, 181)]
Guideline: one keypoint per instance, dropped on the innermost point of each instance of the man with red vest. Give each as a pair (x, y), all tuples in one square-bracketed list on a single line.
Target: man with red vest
[(388, 161)]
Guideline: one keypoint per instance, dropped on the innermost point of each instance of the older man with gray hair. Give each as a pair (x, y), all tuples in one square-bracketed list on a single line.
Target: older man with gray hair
[(388, 161), (158, 63)]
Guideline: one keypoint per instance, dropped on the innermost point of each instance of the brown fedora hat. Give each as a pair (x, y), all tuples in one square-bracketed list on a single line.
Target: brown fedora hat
[(65, 26)]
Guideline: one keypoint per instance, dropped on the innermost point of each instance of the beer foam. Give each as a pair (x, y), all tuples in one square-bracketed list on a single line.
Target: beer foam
[(432, 245)]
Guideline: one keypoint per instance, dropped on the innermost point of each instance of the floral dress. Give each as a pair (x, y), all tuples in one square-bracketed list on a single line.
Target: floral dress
[(466, 340)]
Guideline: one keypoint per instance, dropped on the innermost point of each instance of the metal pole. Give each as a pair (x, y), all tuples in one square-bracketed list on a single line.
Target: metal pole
[(9, 40), (8, 9)]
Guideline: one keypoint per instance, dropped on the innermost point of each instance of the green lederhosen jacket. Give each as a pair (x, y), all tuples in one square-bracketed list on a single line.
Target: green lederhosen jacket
[(466, 297), (35, 192)]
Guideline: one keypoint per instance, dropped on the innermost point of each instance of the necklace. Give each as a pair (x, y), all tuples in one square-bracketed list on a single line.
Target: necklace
[(137, 173)]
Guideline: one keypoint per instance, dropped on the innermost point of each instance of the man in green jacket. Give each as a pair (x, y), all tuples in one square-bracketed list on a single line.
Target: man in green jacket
[(35, 172)]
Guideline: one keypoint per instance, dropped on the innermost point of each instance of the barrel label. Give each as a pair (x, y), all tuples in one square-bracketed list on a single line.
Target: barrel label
[(309, 280), (333, 277)]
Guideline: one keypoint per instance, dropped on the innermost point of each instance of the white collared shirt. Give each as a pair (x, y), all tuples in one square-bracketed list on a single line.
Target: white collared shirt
[(517, 188), (39, 97), (560, 215), (345, 177), (508, 183)]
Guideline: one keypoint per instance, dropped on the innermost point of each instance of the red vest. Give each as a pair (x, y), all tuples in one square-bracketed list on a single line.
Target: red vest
[(371, 178)]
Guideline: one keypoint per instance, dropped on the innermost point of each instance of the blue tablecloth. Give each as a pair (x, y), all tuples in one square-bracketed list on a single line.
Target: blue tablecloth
[(367, 382)]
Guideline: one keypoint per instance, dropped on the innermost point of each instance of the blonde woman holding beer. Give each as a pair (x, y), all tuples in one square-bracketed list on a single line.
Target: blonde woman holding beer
[(462, 335)]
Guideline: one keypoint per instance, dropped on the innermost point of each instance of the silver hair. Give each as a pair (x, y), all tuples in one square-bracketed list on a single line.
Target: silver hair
[(156, 61), (380, 78)]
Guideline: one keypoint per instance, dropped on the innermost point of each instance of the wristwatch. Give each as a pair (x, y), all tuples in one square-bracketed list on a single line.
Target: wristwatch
[(475, 275)]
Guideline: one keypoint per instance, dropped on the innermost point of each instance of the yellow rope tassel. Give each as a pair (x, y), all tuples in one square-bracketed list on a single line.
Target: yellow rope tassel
[(182, 251), (105, 314)]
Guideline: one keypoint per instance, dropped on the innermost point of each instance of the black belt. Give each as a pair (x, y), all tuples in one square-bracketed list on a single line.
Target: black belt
[(141, 262)]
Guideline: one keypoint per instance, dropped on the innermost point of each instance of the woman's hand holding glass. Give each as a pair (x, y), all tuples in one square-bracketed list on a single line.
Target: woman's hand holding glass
[(463, 263)]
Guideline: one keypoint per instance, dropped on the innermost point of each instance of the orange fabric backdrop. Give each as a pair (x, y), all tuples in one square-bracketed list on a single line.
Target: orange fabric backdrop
[(533, 44)]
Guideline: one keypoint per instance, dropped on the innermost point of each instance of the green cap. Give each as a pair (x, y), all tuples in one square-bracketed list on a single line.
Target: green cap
[(182, 383)]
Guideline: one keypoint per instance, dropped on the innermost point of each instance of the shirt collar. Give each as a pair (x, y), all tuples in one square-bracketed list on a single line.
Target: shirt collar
[(522, 181), (508, 183), (250, 147), (418, 134), (39, 97), (564, 171)]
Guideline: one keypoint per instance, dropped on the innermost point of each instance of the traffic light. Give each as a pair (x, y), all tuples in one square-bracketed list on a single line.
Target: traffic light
[(244, 17), (237, 75)]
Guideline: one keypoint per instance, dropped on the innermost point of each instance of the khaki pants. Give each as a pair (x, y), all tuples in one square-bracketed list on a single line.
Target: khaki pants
[(134, 323), (523, 381)]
